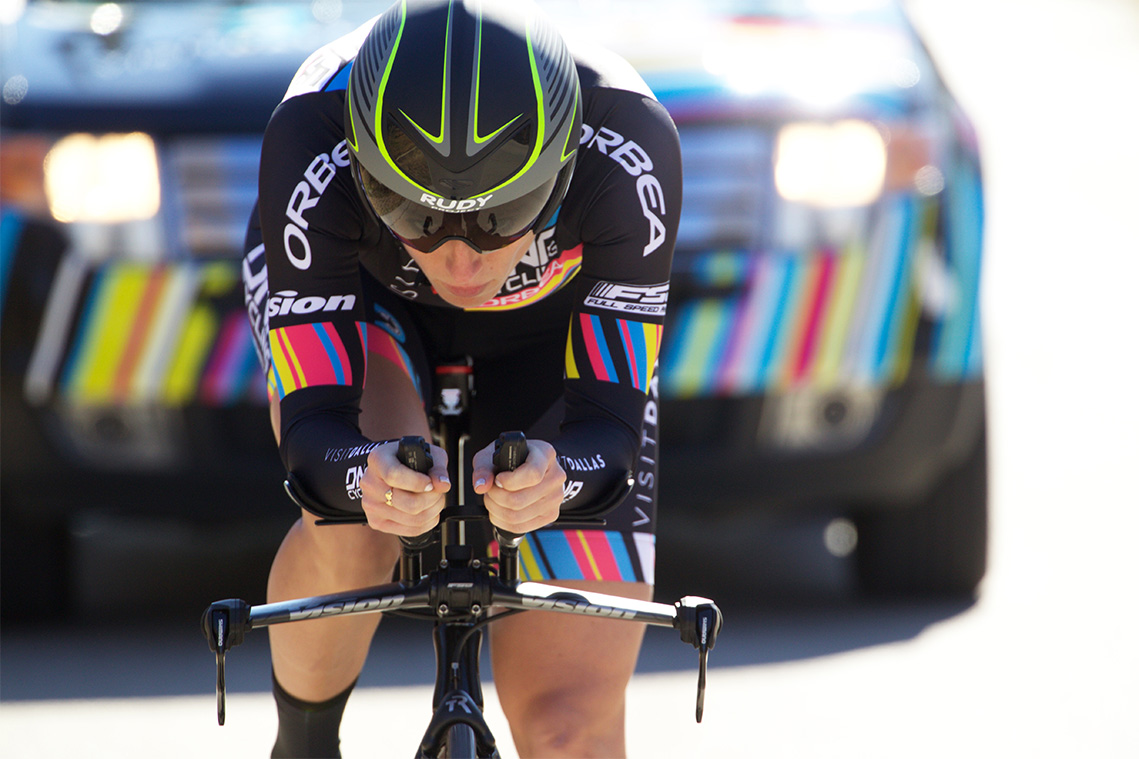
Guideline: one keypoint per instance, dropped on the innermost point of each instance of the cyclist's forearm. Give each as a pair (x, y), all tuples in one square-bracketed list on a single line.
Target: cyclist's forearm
[(326, 456), (597, 457)]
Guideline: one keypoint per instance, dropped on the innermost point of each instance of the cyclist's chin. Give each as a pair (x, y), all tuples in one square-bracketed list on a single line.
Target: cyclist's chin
[(466, 296)]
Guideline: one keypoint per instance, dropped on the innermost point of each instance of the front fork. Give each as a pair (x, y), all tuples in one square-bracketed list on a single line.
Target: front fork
[(458, 692)]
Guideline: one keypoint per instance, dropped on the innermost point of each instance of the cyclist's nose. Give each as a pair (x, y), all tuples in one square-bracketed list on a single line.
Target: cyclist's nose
[(461, 259)]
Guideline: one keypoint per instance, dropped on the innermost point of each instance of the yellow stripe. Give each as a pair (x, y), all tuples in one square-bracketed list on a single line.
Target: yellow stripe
[(169, 315), (905, 350), (704, 324), (904, 353), (531, 569), (280, 363), (588, 555), (571, 364), (293, 361), (218, 279), (838, 320), (109, 332), (186, 368), (652, 347)]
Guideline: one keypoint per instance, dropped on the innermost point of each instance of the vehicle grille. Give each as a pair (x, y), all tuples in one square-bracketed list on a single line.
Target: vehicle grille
[(727, 186), (212, 184)]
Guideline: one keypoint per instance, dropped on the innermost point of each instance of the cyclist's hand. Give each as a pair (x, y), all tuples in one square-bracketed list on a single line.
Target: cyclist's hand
[(526, 499), (416, 499)]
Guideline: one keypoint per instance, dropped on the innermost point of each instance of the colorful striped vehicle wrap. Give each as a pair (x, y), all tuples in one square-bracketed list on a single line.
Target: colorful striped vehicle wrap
[(134, 334), (828, 317)]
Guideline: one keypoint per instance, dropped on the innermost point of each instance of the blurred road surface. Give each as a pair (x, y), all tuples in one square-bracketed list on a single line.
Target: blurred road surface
[(1044, 665)]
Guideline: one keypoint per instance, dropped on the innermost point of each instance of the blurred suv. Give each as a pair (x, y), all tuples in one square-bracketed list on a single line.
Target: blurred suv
[(823, 347)]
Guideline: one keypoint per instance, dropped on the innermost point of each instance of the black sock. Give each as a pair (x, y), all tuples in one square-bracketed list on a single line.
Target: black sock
[(307, 730)]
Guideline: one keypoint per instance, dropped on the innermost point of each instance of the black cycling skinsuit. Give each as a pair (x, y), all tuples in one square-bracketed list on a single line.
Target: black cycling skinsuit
[(328, 287)]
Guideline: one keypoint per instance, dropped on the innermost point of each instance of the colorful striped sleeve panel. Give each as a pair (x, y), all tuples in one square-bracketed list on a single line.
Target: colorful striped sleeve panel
[(381, 343), (309, 355), (613, 350), (587, 555)]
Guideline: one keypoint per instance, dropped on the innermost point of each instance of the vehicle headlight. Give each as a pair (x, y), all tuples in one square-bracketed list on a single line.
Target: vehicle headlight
[(109, 178), (835, 165)]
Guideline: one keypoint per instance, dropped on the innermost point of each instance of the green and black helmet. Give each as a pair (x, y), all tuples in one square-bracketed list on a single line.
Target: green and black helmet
[(463, 119)]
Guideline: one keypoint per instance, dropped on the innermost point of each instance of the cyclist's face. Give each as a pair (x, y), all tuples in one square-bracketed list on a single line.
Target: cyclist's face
[(465, 278)]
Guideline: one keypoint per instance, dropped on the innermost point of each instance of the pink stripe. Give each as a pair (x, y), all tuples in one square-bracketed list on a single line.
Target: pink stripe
[(602, 555), (591, 347), (630, 353), (579, 555), (743, 329), (224, 364), (362, 336), (341, 351), (282, 338), (384, 345), (818, 300), (313, 356)]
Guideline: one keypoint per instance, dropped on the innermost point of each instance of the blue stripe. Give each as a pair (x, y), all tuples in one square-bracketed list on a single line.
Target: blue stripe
[(412, 371), (621, 554), (728, 314), (11, 227), (554, 219), (542, 569), (902, 244), (675, 348), (775, 338), (330, 349), (562, 562), (603, 347), (956, 343), (82, 327), (761, 327), (277, 383), (340, 81), (637, 361)]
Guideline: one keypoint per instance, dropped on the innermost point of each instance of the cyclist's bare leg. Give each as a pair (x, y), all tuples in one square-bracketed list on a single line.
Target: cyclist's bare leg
[(316, 660), (561, 679)]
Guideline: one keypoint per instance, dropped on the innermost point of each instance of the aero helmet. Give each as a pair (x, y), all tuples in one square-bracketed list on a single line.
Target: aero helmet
[(463, 119)]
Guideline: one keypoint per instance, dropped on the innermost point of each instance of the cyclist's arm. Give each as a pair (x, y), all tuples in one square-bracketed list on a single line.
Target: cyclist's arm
[(624, 206), (312, 233)]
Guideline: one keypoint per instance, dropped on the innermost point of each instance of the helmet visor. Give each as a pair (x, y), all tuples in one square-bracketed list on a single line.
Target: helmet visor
[(426, 227)]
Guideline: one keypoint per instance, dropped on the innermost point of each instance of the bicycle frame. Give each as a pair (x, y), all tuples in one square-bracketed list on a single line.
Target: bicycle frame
[(459, 595)]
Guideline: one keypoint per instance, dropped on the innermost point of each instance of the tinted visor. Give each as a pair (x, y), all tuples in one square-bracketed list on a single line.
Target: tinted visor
[(425, 227)]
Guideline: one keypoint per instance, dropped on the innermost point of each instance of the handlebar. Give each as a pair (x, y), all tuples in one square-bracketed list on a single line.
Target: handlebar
[(698, 620)]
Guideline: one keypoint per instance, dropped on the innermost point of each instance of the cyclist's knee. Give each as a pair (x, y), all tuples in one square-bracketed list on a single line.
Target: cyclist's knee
[(352, 549), (571, 724)]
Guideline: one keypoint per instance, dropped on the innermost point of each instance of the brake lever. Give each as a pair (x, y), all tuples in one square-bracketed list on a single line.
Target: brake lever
[(699, 621), (224, 624)]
